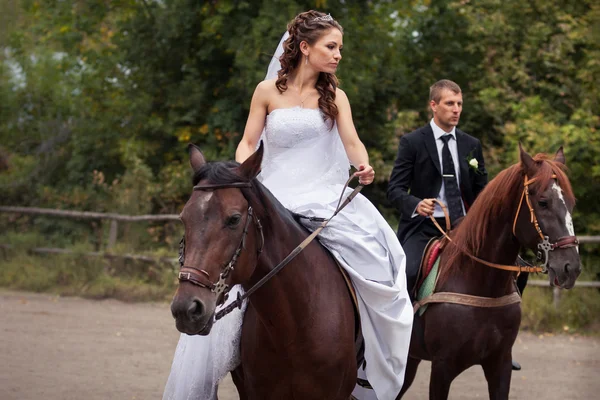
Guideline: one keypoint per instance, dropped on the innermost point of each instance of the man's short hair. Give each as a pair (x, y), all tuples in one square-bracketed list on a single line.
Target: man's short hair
[(435, 91)]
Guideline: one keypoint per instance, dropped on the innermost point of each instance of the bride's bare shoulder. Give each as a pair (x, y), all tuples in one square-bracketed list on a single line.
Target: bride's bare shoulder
[(341, 100), (267, 86), (265, 92)]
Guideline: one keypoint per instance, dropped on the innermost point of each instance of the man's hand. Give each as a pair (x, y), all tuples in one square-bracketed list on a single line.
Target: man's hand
[(425, 207), (365, 174)]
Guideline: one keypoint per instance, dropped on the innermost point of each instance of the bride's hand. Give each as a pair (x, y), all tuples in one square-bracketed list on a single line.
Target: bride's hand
[(365, 174)]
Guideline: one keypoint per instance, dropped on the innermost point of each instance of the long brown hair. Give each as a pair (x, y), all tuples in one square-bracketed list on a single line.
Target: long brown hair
[(309, 27), (494, 201)]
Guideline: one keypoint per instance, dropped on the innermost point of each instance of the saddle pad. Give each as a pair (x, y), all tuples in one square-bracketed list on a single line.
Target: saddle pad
[(428, 285), (352, 291), (431, 256)]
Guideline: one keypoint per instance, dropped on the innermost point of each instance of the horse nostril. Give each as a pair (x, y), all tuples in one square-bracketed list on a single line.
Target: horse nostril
[(567, 268), (195, 310)]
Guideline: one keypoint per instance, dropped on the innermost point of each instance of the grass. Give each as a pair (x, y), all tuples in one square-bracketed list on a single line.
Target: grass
[(78, 275), (97, 278), (578, 310)]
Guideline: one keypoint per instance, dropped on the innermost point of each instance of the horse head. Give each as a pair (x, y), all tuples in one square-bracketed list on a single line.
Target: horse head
[(222, 240), (543, 221)]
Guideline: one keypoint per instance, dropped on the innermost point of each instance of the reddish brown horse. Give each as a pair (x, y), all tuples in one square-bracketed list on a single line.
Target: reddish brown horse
[(455, 337), (298, 331)]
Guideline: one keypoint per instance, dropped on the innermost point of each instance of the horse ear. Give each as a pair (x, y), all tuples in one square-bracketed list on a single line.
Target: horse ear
[(526, 160), (560, 156), (251, 167), (197, 159)]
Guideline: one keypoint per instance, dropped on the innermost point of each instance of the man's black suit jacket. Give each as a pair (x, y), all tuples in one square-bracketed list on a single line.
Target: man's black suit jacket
[(417, 174)]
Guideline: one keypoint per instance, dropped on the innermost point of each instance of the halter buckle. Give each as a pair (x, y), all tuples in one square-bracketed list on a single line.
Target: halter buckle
[(184, 276)]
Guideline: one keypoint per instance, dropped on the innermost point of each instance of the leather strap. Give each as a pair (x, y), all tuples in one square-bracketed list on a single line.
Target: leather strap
[(196, 276), (565, 242), (214, 186), (468, 300), (240, 299)]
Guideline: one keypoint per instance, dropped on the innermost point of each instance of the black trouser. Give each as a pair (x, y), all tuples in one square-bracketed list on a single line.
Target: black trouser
[(522, 282), (414, 247), (523, 276)]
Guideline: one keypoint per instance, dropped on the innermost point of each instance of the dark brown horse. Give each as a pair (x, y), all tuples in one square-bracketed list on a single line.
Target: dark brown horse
[(298, 331), (455, 337)]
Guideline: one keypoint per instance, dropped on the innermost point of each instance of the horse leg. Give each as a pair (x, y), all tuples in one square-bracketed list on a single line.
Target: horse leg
[(412, 365), (498, 371), (238, 379), (442, 375)]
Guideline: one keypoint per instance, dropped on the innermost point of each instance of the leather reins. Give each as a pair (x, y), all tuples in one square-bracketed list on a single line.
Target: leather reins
[(543, 248), (200, 277)]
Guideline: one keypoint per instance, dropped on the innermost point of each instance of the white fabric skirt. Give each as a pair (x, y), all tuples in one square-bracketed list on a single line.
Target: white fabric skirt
[(368, 249)]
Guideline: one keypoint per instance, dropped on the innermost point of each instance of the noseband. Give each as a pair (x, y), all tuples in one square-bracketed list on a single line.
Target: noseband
[(545, 246), (200, 277)]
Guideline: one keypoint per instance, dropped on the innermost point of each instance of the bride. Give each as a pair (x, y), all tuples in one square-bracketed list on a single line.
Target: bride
[(305, 122)]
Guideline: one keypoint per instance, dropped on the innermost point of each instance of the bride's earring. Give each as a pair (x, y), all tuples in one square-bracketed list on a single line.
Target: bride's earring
[(306, 60)]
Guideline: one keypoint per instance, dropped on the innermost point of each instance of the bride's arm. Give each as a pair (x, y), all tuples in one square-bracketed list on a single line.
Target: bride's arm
[(355, 149), (255, 122)]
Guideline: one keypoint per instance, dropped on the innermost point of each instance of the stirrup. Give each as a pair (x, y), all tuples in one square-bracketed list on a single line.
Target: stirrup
[(364, 383)]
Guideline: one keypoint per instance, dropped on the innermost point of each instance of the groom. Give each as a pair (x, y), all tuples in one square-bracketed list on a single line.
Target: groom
[(437, 161)]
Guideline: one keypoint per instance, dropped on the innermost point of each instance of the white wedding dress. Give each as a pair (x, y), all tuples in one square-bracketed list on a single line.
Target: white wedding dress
[(305, 167)]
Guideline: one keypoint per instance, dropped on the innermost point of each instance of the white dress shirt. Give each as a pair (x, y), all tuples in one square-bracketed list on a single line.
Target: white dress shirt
[(453, 147)]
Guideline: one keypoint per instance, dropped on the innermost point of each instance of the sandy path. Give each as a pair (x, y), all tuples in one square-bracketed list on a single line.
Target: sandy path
[(56, 348)]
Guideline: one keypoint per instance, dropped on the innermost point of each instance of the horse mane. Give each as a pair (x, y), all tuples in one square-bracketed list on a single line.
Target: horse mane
[(498, 200), (258, 196)]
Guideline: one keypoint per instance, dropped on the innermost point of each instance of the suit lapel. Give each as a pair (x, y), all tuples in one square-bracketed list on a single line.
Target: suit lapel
[(431, 147), (463, 153)]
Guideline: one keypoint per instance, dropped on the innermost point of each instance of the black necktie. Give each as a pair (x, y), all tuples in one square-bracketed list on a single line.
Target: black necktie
[(453, 197)]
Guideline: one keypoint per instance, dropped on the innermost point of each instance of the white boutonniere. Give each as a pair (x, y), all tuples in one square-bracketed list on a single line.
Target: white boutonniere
[(473, 164)]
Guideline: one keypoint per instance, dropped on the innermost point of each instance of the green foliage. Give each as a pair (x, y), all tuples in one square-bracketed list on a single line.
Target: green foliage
[(98, 100), (101, 86)]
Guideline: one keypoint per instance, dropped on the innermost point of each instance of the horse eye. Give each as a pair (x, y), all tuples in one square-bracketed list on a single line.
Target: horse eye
[(543, 203), (234, 220)]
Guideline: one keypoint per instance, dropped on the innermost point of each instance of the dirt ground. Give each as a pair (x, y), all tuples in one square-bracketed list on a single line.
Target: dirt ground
[(56, 348)]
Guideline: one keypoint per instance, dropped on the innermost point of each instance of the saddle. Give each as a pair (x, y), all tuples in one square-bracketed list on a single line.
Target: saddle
[(432, 251), (359, 343)]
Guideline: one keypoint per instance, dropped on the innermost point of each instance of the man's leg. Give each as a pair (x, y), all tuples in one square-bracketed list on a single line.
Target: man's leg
[(413, 248), (522, 282)]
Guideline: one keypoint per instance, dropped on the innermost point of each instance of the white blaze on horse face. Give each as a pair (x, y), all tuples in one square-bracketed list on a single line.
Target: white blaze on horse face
[(203, 200), (568, 218)]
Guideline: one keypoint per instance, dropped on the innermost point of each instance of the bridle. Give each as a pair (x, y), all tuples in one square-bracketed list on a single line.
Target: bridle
[(544, 247), (200, 277)]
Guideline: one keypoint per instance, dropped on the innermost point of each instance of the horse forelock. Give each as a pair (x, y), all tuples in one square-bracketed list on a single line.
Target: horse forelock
[(499, 199), (262, 201), (549, 170), (218, 172)]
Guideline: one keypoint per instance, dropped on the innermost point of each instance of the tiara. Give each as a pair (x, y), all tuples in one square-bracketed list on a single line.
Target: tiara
[(327, 17)]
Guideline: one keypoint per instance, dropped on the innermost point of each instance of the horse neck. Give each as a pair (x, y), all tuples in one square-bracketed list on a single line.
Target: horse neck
[(499, 247), (290, 296)]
